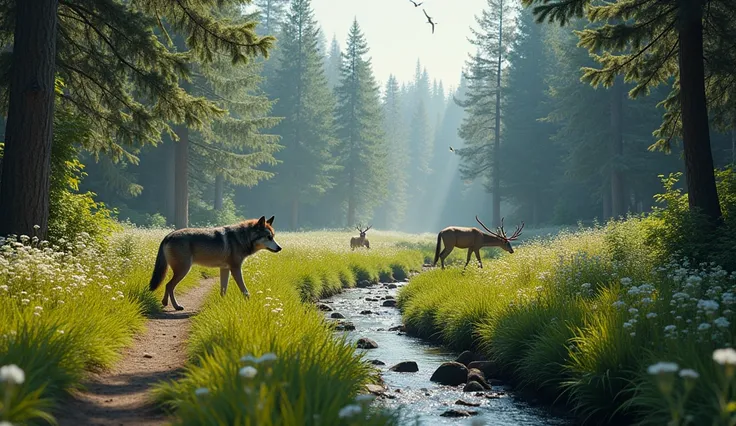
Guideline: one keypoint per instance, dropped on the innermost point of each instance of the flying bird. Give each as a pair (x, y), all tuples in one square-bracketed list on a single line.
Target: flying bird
[(452, 150), (416, 4), (429, 20)]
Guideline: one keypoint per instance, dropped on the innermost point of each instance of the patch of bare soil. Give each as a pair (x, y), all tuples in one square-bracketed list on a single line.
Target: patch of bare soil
[(121, 396)]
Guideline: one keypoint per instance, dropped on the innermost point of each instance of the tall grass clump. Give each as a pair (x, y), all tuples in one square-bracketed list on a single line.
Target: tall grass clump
[(69, 308), (579, 319), (273, 358)]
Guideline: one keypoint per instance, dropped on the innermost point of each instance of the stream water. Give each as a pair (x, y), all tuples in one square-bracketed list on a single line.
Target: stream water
[(418, 397)]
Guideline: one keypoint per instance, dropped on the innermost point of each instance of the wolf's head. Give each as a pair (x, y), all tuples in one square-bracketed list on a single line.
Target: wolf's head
[(264, 235)]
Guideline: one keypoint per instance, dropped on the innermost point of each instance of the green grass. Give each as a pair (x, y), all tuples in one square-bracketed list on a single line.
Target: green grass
[(579, 318), (315, 374), (68, 310)]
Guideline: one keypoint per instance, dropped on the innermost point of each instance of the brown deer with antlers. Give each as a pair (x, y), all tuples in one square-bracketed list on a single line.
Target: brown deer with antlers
[(361, 241), (473, 239)]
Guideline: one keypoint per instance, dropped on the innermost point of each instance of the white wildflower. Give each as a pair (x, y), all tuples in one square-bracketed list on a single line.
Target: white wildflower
[(38, 308), (651, 315), (646, 301), (585, 285), (25, 301), (688, 373), (725, 356), (248, 358), (12, 374), (619, 304), (277, 310), (633, 291), (633, 311), (201, 391), (670, 328), (708, 305), (270, 356), (349, 410), (721, 322), (4, 287), (704, 326), (625, 281), (248, 372), (662, 368)]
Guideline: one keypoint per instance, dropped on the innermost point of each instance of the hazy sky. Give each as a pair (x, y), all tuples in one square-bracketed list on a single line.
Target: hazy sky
[(398, 34)]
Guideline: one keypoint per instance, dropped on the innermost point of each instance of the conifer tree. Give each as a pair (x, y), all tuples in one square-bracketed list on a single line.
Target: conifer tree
[(116, 72), (481, 157), (531, 161), (361, 150), (332, 64), (305, 102), (394, 127), (271, 13), (647, 43)]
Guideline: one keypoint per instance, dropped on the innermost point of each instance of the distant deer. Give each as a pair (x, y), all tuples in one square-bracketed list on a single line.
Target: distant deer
[(361, 241), (473, 239)]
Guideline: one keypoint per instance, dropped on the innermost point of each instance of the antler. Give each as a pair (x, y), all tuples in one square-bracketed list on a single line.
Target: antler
[(500, 231), (366, 229), (517, 232), (486, 228)]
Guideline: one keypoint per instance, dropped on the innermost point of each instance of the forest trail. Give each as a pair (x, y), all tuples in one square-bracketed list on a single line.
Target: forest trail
[(121, 396)]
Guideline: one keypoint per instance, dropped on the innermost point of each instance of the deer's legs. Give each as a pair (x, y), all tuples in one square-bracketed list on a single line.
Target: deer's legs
[(477, 256), (445, 252), (470, 253)]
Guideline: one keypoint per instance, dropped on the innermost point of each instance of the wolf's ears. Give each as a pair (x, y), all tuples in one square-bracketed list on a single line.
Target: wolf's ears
[(262, 221)]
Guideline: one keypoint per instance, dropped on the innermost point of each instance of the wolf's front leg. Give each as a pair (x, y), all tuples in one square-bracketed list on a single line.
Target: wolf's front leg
[(224, 278), (238, 276)]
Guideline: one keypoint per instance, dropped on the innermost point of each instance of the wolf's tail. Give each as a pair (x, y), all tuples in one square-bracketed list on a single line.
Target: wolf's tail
[(437, 250), (159, 269)]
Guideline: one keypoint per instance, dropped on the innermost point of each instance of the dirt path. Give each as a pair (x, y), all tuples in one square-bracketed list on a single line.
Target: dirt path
[(121, 396)]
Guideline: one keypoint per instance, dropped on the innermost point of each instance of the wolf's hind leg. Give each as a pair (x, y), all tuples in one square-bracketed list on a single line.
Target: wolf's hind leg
[(180, 271), (238, 277), (224, 278)]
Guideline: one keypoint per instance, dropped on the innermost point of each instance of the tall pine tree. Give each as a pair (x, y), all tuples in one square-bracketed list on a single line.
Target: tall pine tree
[(483, 100), (305, 102), (361, 149), (394, 127)]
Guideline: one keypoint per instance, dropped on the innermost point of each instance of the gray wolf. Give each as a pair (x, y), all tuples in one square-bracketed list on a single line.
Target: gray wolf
[(224, 247)]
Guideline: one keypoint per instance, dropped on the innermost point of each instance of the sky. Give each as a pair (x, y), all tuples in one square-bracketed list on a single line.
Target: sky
[(398, 34)]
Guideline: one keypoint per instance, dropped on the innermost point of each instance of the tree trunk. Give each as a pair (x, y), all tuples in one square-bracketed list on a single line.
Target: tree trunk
[(294, 213), (606, 206), (351, 201), (701, 182), (181, 179), (170, 180), (497, 138), (616, 148), (24, 187), (219, 189), (733, 146)]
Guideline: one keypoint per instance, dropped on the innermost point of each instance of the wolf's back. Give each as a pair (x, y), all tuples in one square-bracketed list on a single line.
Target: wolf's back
[(159, 269)]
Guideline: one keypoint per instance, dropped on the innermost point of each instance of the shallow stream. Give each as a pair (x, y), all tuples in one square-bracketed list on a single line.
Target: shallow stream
[(418, 397)]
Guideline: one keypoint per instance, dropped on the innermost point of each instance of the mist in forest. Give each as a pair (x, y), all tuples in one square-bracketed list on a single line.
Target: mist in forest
[(362, 115)]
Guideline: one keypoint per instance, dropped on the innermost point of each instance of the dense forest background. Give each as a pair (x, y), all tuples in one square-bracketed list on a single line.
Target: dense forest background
[(312, 138)]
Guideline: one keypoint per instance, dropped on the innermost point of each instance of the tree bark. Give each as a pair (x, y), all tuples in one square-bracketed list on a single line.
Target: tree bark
[(497, 138), (700, 177), (181, 178), (170, 182), (219, 189), (618, 199), (24, 187), (294, 213)]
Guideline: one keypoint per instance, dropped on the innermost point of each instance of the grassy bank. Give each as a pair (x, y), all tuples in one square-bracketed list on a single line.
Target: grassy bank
[(68, 310), (273, 359), (580, 318)]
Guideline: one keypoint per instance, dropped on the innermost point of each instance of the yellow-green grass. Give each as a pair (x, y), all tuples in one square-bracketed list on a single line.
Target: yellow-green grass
[(315, 374), (578, 319), (68, 310)]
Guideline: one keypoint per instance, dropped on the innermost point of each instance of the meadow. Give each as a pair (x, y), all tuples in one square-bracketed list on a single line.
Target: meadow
[(586, 318), (70, 308)]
